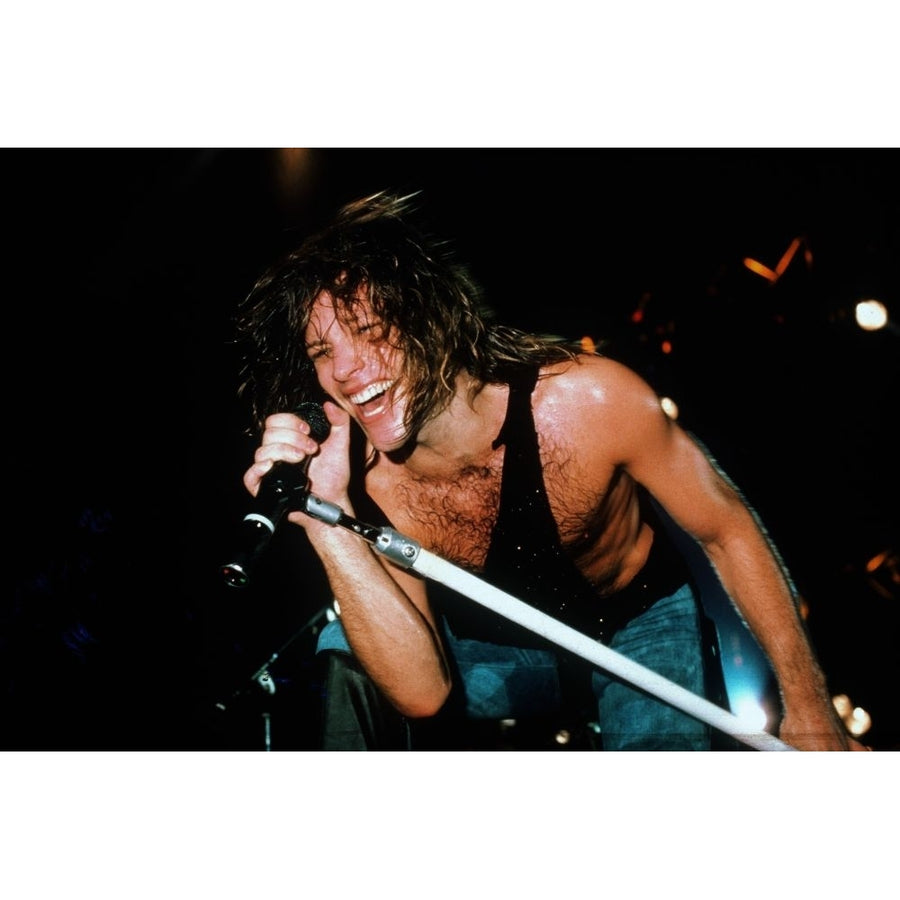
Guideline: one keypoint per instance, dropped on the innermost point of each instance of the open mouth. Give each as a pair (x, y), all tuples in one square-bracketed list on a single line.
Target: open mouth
[(369, 399)]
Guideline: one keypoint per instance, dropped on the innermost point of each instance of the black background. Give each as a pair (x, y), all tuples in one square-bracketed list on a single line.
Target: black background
[(126, 439)]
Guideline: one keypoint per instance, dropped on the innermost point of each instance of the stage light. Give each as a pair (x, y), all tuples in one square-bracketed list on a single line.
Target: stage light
[(877, 561), (883, 573), (886, 562), (637, 315), (760, 269), (772, 275), (856, 720), (871, 315), (670, 407), (747, 679), (750, 712), (860, 721), (842, 705), (294, 172)]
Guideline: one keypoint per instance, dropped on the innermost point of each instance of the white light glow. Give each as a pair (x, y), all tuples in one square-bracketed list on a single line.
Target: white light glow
[(750, 712), (855, 718), (670, 407), (871, 315), (860, 722)]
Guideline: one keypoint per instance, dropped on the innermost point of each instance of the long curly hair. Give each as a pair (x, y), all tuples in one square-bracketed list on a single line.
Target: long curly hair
[(425, 297)]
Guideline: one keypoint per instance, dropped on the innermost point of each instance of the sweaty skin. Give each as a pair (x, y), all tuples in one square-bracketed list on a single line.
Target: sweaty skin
[(596, 419)]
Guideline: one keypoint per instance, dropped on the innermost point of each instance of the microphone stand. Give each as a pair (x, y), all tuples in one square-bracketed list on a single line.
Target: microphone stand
[(262, 676), (264, 679), (409, 554)]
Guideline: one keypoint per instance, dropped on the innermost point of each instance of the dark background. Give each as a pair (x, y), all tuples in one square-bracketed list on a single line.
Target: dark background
[(126, 438)]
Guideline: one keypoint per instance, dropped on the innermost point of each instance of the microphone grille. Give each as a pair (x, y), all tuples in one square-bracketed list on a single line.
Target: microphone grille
[(314, 415)]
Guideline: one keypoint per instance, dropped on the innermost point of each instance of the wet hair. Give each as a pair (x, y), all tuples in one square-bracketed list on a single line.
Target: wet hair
[(432, 310)]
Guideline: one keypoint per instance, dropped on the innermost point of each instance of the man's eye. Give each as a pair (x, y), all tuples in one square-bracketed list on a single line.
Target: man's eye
[(371, 330)]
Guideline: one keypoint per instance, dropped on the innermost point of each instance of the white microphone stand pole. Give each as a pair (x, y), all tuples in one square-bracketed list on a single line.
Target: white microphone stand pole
[(408, 554)]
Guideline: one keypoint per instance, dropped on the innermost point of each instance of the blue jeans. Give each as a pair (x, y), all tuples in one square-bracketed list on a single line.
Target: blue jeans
[(667, 639), (502, 682)]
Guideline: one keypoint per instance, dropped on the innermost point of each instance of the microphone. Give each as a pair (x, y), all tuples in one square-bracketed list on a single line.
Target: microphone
[(280, 488)]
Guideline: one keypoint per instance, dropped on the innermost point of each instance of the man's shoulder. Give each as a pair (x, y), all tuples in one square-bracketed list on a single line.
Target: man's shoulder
[(588, 379)]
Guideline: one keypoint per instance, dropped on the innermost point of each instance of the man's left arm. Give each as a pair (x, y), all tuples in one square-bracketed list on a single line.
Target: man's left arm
[(679, 473)]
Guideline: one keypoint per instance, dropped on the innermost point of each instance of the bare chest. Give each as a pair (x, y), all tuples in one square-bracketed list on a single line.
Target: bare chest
[(452, 517), (455, 517)]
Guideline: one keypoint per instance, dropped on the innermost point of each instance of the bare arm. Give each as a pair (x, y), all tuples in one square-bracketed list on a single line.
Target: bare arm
[(701, 499), (384, 610)]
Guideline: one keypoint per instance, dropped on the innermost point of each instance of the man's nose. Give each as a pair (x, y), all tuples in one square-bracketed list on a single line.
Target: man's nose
[(346, 360)]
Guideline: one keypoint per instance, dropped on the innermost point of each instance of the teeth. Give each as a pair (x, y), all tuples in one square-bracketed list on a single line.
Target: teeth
[(373, 390)]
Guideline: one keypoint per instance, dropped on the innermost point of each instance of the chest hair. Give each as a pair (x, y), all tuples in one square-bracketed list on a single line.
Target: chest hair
[(455, 517)]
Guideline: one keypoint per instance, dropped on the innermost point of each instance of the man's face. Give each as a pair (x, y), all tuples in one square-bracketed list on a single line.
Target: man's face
[(358, 368)]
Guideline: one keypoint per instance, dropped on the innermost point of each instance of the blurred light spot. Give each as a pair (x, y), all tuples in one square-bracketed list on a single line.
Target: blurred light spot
[(871, 315), (669, 407), (750, 712), (294, 174), (638, 315), (883, 571), (842, 705), (860, 722), (877, 561), (760, 269), (781, 266), (856, 720), (785, 260)]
